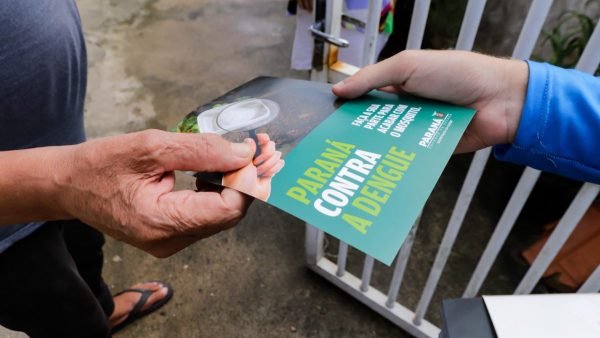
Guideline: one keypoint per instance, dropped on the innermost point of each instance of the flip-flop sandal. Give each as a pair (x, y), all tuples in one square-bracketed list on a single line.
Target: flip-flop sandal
[(137, 312)]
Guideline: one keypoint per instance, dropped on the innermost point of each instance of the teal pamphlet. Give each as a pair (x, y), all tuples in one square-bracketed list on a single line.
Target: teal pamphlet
[(360, 170)]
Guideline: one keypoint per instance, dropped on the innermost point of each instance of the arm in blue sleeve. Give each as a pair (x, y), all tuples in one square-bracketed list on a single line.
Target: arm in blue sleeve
[(559, 130)]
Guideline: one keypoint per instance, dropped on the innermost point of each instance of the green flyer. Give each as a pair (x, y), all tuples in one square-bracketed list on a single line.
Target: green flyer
[(361, 170)]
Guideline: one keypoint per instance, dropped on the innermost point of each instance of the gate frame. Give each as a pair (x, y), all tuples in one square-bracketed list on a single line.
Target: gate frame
[(387, 304)]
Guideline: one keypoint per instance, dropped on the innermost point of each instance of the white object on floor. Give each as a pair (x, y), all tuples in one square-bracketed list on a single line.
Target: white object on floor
[(547, 315)]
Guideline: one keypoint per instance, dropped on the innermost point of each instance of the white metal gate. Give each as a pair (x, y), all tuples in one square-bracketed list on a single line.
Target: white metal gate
[(385, 302)]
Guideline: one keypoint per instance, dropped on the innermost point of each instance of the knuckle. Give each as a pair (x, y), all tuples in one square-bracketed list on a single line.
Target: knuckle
[(149, 140), (235, 213), (149, 135), (412, 58), (209, 146), (406, 55), (362, 73), (229, 215), (366, 77)]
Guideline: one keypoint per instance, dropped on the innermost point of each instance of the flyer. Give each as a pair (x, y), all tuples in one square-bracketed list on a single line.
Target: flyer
[(360, 170)]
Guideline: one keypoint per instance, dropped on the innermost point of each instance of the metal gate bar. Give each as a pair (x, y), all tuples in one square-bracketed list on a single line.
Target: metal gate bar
[(371, 32), (367, 273), (588, 62), (342, 256), (376, 300), (417, 24), (525, 44), (592, 284), (505, 225), (400, 267), (468, 28), (567, 223)]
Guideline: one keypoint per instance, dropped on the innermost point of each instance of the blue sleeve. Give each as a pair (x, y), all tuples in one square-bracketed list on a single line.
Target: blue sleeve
[(559, 131)]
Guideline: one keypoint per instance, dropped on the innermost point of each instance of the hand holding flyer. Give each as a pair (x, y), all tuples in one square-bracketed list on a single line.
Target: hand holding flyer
[(360, 170)]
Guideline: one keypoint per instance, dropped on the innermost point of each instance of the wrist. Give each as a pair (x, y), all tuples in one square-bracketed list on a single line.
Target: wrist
[(31, 185), (516, 79), (62, 162)]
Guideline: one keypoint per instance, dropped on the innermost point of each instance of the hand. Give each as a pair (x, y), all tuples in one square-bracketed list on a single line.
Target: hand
[(495, 87), (124, 187), (255, 178)]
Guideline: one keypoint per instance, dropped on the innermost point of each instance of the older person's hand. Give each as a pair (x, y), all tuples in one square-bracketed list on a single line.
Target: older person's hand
[(495, 87), (123, 186)]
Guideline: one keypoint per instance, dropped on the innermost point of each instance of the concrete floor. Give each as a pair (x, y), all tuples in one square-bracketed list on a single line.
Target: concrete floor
[(151, 62)]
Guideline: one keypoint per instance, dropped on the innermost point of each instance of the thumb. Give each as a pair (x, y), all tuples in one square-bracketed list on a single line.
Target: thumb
[(202, 214), (392, 71), (202, 152)]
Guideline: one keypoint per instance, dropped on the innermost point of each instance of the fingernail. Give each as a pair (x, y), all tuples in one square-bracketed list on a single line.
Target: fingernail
[(339, 84), (242, 149)]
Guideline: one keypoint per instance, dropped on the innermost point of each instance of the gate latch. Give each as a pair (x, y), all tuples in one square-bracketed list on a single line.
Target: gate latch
[(318, 34)]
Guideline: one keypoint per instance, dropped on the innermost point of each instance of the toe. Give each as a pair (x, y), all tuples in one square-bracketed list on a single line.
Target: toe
[(153, 286), (158, 295), (159, 291), (125, 302)]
